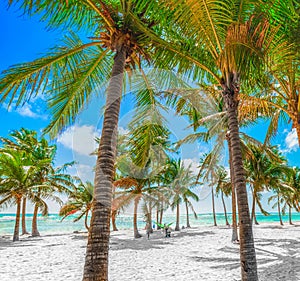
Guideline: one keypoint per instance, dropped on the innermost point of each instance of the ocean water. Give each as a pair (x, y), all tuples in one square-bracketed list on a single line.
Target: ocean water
[(53, 224)]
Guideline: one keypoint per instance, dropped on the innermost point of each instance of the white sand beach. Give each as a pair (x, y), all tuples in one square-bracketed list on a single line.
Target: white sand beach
[(202, 253)]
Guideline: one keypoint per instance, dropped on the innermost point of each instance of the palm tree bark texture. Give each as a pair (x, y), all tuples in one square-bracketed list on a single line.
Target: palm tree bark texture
[(17, 223), (96, 261), (24, 230), (234, 237), (247, 251)]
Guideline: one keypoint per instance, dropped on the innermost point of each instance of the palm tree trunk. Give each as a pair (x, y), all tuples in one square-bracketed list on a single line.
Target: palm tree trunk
[(34, 231), (213, 206), (279, 211), (161, 213), (177, 228), (247, 250), (96, 259), (234, 237), (255, 220), (224, 206), (187, 215), (253, 206), (150, 218), (296, 124), (135, 228), (86, 220), (290, 215), (113, 220), (17, 222), (157, 217), (24, 230)]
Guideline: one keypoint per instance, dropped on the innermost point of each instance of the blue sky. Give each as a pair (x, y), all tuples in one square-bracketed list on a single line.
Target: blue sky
[(24, 39)]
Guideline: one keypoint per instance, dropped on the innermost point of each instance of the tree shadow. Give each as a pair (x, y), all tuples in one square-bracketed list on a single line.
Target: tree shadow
[(283, 264), (280, 264), (157, 240)]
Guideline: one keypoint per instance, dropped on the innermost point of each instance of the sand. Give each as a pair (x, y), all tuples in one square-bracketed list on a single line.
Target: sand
[(203, 253)]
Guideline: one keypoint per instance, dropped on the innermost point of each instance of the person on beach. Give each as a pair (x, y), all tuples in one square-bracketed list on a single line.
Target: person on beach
[(148, 230), (167, 230)]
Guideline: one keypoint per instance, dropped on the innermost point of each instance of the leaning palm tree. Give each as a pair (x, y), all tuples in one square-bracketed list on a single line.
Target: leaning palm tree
[(279, 184), (122, 34), (208, 174)]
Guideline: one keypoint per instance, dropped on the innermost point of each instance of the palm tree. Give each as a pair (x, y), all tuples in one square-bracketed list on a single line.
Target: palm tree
[(292, 196), (17, 179), (80, 201), (39, 155), (282, 83), (208, 173), (136, 184), (22, 140), (205, 108), (123, 34), (224, 187), (188, 204), (231, 49), (257, 166), (180, 181)]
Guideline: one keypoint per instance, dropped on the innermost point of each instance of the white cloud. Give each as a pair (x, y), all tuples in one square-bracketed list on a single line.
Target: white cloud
[(80, 139), (85, 172), (123, 131), (26, 110), (291, 141), (194, 164)]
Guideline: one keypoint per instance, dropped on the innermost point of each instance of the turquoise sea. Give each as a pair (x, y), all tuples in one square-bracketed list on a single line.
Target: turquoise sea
[(53, 224)]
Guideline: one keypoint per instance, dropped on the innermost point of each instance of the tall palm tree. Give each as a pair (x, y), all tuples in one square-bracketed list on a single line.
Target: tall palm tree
[(232, 49), (206, 109), (283, 83), (122, 33)]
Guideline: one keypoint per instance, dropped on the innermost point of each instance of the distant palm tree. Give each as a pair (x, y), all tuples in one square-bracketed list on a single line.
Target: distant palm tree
[(206, 109), (22, 140), (80, 200), (180, 181), (292, 197), (16, 181), (39, 155), (223, 186), (135, 186)]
